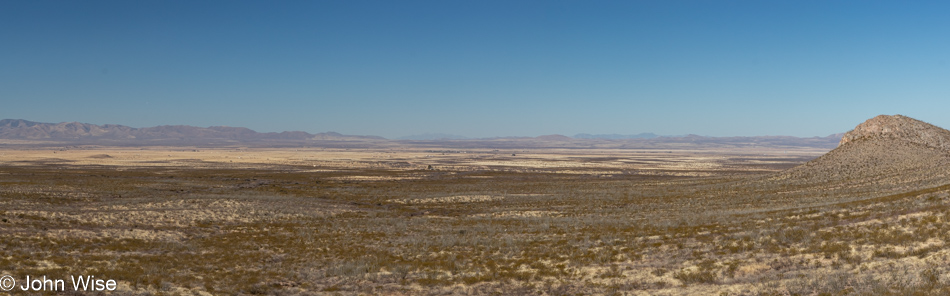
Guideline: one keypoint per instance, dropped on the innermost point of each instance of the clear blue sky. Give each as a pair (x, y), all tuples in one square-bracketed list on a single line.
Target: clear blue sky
[(478, 68)]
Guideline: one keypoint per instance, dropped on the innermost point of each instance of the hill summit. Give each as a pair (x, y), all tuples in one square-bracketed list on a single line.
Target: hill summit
[(901, 128)]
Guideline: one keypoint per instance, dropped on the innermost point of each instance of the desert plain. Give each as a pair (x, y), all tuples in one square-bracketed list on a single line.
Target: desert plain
[(412, 220)]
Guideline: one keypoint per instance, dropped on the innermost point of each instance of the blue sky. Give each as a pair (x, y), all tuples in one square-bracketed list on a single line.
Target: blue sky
[(478, 68)]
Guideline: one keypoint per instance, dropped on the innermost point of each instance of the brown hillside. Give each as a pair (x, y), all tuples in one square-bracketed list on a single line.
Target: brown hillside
[(882, 156)]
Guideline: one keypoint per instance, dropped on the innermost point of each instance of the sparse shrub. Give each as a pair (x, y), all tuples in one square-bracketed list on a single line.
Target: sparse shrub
[(695, 276)]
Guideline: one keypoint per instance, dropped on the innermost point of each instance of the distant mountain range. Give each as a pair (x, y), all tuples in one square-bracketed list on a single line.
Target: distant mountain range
[(662, 142), (112, 134), (435, 136), (617, 136), (75, 131)]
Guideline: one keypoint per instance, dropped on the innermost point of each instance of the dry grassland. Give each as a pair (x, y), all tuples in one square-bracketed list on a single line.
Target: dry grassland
[(411, 221)]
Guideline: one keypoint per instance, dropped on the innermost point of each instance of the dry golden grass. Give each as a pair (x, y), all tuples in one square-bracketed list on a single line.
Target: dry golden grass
[(226, 221)]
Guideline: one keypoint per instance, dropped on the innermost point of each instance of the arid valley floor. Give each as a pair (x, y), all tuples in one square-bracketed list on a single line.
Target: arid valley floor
[(420, 221)]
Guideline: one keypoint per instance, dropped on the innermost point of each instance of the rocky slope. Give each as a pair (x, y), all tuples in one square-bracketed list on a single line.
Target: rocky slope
[(882, 156), (902, 128)]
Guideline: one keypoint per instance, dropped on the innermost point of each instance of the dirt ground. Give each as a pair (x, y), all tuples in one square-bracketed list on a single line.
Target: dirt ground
[(411, 220)]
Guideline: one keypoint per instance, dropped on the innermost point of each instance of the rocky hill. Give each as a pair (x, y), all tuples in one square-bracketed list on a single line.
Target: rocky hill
[(885, 155), (902, 128)]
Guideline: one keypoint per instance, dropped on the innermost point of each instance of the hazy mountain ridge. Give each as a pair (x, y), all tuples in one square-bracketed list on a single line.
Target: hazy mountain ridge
[(616, 136), (107, 134), (433, 136), (66, 131), (561, 141)]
